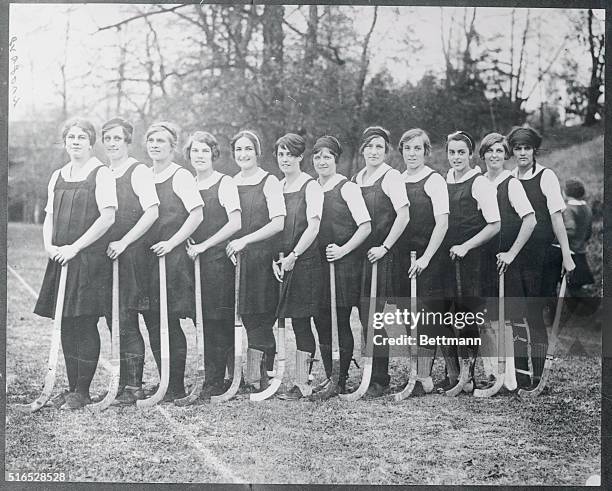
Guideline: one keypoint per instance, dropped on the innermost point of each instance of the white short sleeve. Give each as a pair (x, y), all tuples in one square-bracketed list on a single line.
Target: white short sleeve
[(485, 193), (314, 200), (518, 198), (437, 190), (106, 190), (549, 184), (273, 191), (228, 195), (144, 187), (184, 186), (351, 193), (393, 186), (51, 191)]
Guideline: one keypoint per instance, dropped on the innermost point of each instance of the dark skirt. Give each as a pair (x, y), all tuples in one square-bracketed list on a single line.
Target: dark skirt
[(134, 279), (218, 287), (348, 281), (582, 275), (180, 286), (258, 286), (301, 289), (429, 282), (88, 286), (388, 287)]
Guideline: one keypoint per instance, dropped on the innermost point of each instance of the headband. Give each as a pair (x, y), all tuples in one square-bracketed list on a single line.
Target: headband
[(257, 142), (463, 135), (330, 143), (374, 131)]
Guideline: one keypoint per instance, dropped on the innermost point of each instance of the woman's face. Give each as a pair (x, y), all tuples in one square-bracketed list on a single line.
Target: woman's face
[(458, 155), (374, 152), (324, 163), (494, 157), (159, 147), (115, 145), (77, 144), (523, 155), (200, 155), (245, 153), (413, 152), (287, 163)]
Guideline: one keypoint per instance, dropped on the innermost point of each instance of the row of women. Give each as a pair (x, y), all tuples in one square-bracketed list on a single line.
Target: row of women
[(136, 214)]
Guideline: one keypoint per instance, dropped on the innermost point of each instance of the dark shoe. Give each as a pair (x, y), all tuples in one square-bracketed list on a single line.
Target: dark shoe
[(213, 390), (486, 384), (419, 390), (171, 395), (295, 394), (102, 395), (129, 396), (322, 386), (442, 386), (75, 400), (375, 390), (58, 400)]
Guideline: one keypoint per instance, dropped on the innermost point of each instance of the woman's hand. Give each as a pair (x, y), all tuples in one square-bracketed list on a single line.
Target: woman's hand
[(504, 260), (52, 252), (235, 246), (568, 263), (376, 253), (417, 268), (458, 252), (193, 249), (288, 263), (277, 269), (115, 249), (162, 248), (66, 253), (333, 252)]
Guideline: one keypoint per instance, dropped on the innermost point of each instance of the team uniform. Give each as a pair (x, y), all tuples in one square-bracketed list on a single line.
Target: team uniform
[(384, 193), (75, 203), (261, 200), (428, 195), (344, 210), (301, 288), (220, 196), (178, 196), (135, 194), (544, 192)]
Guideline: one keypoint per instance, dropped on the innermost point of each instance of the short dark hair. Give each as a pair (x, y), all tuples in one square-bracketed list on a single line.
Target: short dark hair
[(82, 123), (126, 126), (461, 136), (292, 142), (374, 132), (574, 188), (491, 139), (250, 135), (201, 137), (414, 133), (170, 128)]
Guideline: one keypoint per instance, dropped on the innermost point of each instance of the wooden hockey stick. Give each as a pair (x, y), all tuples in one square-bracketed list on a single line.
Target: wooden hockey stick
[(113, 384), (501, 348), (55, 345), (412, 380), (367, 358), (165, 345), (237, 375), (552, 345), (463, 369), (276, 382), (199, 327), (332, 386)]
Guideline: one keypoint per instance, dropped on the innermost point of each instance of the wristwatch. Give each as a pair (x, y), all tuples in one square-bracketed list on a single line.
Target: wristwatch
[(295, 254)]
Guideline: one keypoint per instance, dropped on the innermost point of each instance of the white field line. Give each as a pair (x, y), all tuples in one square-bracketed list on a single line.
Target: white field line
[(210, 459)]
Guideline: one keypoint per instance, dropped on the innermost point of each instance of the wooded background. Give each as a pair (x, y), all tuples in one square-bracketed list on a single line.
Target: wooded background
[(312, 69)]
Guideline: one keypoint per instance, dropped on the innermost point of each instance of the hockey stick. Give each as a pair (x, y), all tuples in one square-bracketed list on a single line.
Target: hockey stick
[(237, 375), (412, 380), (367, 358), (164, 377), (276, 382), (463, 369), (552, 345), (501, 348), (113, 385), (55, 344), (332, 386), (199, 326)]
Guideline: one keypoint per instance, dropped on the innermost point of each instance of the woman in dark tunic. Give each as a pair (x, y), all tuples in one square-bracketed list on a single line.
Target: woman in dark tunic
[(504, 254), (384, 194), (473, 221), (263, 218), (428, 196), (221, 221), (180, 213), (80, 210), (300, 269), (345, 225), (138, 209), (544, 192)]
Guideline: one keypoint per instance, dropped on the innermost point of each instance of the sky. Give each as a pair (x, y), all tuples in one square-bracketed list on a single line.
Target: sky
[(37, 33)]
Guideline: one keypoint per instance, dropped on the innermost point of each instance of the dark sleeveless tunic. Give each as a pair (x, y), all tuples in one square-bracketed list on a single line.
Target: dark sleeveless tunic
[(301, 289), (134, 271), (258, 286), (179, 268), (89, 275), (216, 269), (337, 227), (383, 215), (416, 237)]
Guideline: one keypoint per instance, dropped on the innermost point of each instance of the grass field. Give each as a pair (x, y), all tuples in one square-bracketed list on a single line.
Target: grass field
[(430, 440)]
